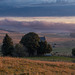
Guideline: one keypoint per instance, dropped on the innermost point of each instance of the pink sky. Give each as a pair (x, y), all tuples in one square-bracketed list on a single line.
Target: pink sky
[(48, 19)]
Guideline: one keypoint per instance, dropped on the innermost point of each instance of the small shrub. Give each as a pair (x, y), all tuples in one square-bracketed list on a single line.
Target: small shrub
[(20, 51), (44, 48)]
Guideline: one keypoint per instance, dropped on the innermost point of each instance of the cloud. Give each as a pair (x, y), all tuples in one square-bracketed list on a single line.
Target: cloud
[(39, 26), (21, 2), (38, 11)]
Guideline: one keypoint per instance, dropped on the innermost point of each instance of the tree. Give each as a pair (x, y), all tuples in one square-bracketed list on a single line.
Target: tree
[(7, 47), (31, 41), (20, 51), (73, 51), (44, 48)]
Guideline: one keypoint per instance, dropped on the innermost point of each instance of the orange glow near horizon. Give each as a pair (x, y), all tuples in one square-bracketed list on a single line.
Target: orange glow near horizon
[(47, 19)]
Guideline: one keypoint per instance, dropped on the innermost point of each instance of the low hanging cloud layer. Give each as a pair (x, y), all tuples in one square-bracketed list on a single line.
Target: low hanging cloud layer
[(36, 26)]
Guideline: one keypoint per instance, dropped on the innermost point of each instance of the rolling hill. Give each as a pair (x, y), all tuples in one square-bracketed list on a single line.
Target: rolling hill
[(22, 66)]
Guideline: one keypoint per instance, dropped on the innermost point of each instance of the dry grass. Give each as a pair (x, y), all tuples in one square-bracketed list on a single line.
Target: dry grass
[(22, 66), (58, 39)]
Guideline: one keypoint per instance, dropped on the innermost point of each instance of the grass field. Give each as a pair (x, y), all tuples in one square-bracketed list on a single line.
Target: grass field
[(53, 58), (22, 66), (64, 43)]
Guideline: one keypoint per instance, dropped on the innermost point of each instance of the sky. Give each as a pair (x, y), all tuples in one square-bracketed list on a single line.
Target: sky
[(21, 2), (17, 8), (66, 20), (21, 13)]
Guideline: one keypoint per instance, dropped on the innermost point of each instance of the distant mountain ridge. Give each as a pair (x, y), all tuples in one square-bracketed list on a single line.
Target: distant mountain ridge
[(35, 26), (6, 31)]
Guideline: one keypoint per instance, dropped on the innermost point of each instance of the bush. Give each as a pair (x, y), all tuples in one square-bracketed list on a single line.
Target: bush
[(20, 51), (44, 48), (73, 51), (7, 47)]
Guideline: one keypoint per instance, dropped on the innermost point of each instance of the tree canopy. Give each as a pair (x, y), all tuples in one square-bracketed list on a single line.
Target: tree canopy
[(31, 41), (19, 51), (7, 46), (73, 51)]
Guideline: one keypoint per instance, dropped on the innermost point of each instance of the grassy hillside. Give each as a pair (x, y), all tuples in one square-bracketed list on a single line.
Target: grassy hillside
[(22, 66)]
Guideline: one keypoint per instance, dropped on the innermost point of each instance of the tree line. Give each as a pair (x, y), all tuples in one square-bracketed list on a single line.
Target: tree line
[(29, 45)]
